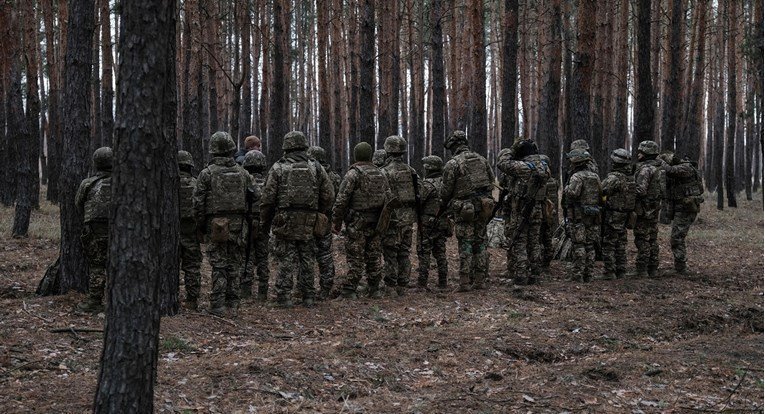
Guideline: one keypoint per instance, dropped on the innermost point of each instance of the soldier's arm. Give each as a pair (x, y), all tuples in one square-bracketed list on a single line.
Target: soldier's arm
[(573, 189), (679, 171), (326, 192), (609, 185), (343, 200), (268, 198), (199, 199), (642, 180), (448, 181)]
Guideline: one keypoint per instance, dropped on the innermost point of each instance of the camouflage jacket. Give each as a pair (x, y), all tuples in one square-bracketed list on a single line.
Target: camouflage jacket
[(88, 206), (452, 172), (619, 190), (355, 189), (520, 174), (402, 178), (186, 195), (646, 185), (583, 189), (204, 193), (684, 186)]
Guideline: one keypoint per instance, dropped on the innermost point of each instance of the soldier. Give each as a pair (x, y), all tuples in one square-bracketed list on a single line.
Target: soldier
[(363, 193), (251, 143), (435, 229), (684, 197), (506, 182), (189, 250), (378, 158), (93, 201), (619, 195), (650, 188), (528, 174), (583, 198), (583, 145), (468, 181), (296, 200), (549, 217), (397, 242), (220, 207), (255, 164), (324, 244)]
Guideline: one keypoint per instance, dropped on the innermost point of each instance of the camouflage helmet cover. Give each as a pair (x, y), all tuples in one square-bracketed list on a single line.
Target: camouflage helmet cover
[(580, 144), (506, 152), (318, 154), (254, 159), (433, 163), (102, 159), (378, 158), (621, 156), (185, 158), (363, 152), (648, 148), (395, 144), (221, 144), (456, 138), (294, 140), (578, 156)]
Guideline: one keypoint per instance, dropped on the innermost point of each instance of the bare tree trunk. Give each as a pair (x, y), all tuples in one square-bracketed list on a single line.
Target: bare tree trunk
[(325, 131), (278, 124), (367, 71), (337, 152), (730, 130), (95, 89), (672, 83), (582, 73), (52, 50), (245, 123), (477, 126), (691, 140), (620, 87), (547, 121), (439, 111), (509, 73), (107, 89)]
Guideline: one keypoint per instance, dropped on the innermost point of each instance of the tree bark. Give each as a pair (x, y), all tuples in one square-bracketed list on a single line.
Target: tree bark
[(436, 61), (477, 126), (730, 130), (325, 133), (547, 121), (367, 72), (76, 116), (107, 88), (95, 88), (644, 92), (278, 122), (509, 73), (582, 71), (691, 140), (52, 50)]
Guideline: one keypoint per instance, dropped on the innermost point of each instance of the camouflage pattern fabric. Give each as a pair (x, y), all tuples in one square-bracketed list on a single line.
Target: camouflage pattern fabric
[(258, 254), (296, 259), (191, 259), (474, 259), (95, 244), (646, 240), (582, 194), (648, 204), (680, 227), (226, 260), (434, 231), (615, 243), (363, 252), (326, 263), (585, 235), (495, 233), (397, 241)]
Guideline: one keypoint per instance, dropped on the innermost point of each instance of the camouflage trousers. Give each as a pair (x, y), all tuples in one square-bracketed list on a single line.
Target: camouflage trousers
[(95, 244), (525, 253), (474, 259), (363, 250), (258, 262), (295, 259), (546, 231), (433, 242), (326, 262), (226, 261), (584, 236), (615, 242), (646, 234), (191, 260), (396, 245), (680, 226)]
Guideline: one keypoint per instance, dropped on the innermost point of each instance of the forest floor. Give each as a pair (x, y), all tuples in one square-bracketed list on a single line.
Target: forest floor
[(664, 344)]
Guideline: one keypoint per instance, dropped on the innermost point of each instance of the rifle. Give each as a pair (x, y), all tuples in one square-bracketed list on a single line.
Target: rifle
[(250, 199), (502, 194), (417, 209)]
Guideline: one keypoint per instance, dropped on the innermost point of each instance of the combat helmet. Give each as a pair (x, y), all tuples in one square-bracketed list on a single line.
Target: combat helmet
[(102, 159), (648, 148), (294, 140), (433, 163), (378, 158), (620, 156), (254, 161), (580, 144), (318, 154), (525, 148), (362, 152), (456, 138), (185, 158), (578, 156), (394, 145), (221, 144)]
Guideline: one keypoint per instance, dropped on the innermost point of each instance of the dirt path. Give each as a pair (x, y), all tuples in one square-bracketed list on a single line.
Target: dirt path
[(667, 344)]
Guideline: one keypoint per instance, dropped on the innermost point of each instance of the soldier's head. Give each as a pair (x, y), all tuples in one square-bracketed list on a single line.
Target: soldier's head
[(580, 144), (378, 158), (185, 161), (620, 158), (362, 152), (102, 159), (648, 150), (578, 158), (506, 152), (669, 157), (433, 164), (252, 142), (525, 148), (221, 144), (294, 141), (254, 162), (456, 139), (318, 154), (394, 145)]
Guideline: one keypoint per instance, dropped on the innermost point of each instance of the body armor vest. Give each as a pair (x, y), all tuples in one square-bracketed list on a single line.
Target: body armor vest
[(299, 186), (185, 195), (98, 200), (432, 203), (370, 193), (657, 188), (228, 185), (624, 198), (682, 187), (472, 175), (401, 181), (590, 195)]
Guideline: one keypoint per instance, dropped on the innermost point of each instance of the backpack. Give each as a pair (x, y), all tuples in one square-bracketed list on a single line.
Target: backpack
[(228, 186), (657, 188), (624, 199)]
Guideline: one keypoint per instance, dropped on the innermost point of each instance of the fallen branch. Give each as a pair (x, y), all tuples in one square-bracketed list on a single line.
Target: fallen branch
[(73, 329), (24, 308)]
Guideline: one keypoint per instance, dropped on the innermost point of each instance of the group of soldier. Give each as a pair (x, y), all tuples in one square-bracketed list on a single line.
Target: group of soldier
[(247, 213)]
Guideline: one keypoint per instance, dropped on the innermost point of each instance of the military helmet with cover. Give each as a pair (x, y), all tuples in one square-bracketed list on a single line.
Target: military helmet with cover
[(648, 148), (578, 156), (433, 163), (394, 144), (221, 144), (294, 140), (102, 159), (254, 160), (378, 158), (620, 156), (524, 148), (185, 158), (580, 144), (318, 154), (363, 152), (456, 138)]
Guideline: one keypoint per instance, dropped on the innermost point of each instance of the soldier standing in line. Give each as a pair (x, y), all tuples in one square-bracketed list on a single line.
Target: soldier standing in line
[(219, 207), (93, 201), (296, 199), (324, 244), (684, 196), (468, 181), (507, 182), (378, 158), (528, 194), (583, 145), (257, 262), (583, 198), (435, 229), (189, 249), (549, 218), (363, 194), (650, 189), (397, 242), (619, 195)]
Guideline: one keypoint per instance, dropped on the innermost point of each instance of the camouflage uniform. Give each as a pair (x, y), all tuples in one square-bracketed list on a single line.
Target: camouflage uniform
[(583, 145), (528, 173), (549, 217), (296, 198), (255, 163), (360, 200), (93, 200), (189, 250), (378, 158), (324, 243), (619, 192), (582, 197), (397, 242), (684, 197), (650, 188), (468, 181), (219, 207), (435, 229)]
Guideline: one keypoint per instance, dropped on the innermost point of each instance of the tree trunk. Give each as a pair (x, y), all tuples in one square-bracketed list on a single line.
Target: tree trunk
[(245, 122), (620, 87), (278, 122), (691, 140), (644, 92), (547, 121), (95, 88), (337, 151), (477, 127), (509, 73), (52, 50), (107, 89), (353, 103), (325, 132), (76, 116), (437, 77), (367, 72), (730, 130), (582, 71), (672, 83)]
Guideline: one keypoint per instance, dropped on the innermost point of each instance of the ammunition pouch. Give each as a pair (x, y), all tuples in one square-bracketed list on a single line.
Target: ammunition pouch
[(219, 229), (487, 208), (321, 227)]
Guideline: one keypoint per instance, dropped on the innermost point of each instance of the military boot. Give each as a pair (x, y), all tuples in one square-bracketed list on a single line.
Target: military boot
[(308, 302)]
